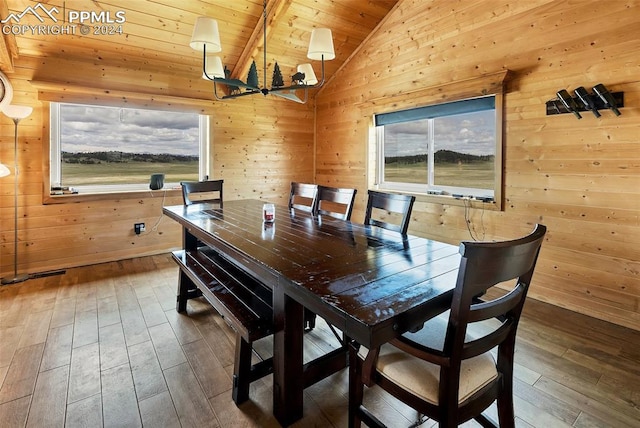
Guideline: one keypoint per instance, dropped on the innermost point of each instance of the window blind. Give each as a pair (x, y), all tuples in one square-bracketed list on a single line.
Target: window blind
[(437, 110)]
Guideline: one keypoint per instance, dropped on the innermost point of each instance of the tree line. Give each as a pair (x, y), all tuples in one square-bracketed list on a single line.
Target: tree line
[(441, 156), (91, 158)]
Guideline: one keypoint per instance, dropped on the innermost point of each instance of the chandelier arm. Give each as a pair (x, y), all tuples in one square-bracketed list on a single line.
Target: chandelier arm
[(241, 94), (204, 63), (321, 82), (215, 91)]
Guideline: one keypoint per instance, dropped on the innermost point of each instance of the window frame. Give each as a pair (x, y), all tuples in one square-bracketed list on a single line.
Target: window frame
[(55, 152), (430, 187), (486, 84), (52, 91)]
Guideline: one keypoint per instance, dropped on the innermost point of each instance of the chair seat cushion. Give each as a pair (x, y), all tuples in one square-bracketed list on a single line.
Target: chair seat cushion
[(421, 377)]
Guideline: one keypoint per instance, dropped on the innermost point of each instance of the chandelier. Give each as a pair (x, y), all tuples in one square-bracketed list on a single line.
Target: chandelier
[(206, 38)]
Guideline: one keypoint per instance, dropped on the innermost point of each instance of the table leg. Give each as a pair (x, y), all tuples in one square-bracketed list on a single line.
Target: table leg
[(288, 379)]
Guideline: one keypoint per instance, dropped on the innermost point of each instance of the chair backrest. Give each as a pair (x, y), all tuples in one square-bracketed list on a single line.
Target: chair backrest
[(303, 196), (483, 265), (194, 192), (335, 202), (391, 203)]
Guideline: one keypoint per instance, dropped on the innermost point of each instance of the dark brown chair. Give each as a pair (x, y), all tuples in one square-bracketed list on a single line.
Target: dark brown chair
[(194, 192), (391, 203), (338, 203), (303, 197), (443, 370), (335, 202)]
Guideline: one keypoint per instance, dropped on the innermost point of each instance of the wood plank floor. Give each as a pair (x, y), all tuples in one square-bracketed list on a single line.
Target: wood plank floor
[(103, 346)]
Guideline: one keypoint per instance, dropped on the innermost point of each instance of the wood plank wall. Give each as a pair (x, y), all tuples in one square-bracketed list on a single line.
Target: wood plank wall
[(579, 177), (256, 152)]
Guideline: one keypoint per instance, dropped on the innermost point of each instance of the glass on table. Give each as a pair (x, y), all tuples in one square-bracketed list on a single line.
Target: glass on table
[(268, 213)]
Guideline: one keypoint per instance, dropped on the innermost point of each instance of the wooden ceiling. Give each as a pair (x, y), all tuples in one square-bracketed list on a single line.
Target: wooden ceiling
[(158, 32)]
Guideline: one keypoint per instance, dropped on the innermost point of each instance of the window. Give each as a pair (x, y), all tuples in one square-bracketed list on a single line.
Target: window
[(108, 149), (448, 149)]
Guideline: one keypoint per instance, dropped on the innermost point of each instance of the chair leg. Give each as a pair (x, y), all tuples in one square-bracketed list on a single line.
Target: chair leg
[(241, 371), (506, 415), (356, 387)]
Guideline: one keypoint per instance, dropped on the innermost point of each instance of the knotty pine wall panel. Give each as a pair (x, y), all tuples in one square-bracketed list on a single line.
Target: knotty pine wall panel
[(259, 145), (581, 178)]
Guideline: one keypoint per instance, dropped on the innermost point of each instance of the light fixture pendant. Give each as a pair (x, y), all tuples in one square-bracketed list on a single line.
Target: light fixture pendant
[(308, 75), (206, 35), (206, 38), (213, 67)]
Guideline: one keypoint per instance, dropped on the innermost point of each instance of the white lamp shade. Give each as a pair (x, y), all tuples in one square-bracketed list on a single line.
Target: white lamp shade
[(17, 112), (214, 67), (4, 171), (309, 76), (321, 45), (205, 32)]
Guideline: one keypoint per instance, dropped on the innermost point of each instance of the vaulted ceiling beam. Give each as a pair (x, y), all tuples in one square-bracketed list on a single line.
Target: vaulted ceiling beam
[(8, 45), (275, 10)]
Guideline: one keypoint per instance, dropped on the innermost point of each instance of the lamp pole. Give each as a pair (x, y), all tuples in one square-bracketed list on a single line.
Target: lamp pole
[(16, 113)]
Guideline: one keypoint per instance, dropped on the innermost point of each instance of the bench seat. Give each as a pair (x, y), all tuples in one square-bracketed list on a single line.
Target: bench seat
[(244, 303)]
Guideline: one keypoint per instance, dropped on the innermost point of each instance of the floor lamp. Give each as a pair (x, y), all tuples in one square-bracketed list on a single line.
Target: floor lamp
[(16, 113)]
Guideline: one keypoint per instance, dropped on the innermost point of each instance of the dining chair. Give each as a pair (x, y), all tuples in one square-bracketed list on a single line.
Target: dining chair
[(335, 202), (446, 370), (392, 203), (303, 197), (194, 192)]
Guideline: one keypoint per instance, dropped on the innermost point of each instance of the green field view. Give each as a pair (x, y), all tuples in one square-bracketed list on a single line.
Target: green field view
[(127, 173), (478, 175)]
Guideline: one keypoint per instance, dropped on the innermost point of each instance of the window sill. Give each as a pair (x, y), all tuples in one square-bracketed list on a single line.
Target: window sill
[(85, 197), (465, 201), (458, 201)]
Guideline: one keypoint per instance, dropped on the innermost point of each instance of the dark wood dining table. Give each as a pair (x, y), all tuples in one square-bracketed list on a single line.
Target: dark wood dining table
[(370, 283)]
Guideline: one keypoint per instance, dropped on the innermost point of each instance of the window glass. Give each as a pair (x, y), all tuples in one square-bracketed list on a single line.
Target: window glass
[(100, 148), (445, 149), (406, 152), (464, 150)]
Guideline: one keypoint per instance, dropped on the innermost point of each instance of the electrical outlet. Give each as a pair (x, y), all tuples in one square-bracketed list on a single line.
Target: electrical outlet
[(138, 228)]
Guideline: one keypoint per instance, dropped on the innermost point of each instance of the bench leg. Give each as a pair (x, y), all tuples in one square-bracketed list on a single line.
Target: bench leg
[(241, 371), (184, 284)]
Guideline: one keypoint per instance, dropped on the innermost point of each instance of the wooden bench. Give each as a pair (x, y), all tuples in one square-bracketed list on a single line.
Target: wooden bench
[(245, 304)]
